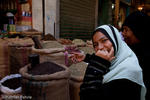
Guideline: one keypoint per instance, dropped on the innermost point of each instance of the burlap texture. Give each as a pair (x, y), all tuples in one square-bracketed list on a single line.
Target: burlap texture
[(74, 87), (4, 62), (52, 51), (7, 54), (19, 50), (46, 87), (18, 57), (77, 74), (76, 79)]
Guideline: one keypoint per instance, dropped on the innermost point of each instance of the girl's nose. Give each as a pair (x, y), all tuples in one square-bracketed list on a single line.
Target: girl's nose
[(100, 46)]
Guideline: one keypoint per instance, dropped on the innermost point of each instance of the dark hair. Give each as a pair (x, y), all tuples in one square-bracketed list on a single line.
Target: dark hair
[(139, 23)]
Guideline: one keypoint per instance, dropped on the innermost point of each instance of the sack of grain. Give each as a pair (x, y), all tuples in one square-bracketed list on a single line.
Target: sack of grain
[(11, 91), (79, 42), (18, 54), (52, 51), (65, 41), (51, 82), (4, 62), (87, 49), (12, 52), (77, 75)]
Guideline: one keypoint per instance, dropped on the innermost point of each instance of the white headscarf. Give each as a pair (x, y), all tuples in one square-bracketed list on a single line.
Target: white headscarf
[(125, 65)]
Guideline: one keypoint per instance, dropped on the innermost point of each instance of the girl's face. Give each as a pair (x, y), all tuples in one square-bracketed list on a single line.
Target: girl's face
[(101, 42)]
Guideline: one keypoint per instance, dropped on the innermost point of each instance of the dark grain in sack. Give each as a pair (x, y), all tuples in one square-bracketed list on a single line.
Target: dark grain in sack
[(45, 68), (12, 83)]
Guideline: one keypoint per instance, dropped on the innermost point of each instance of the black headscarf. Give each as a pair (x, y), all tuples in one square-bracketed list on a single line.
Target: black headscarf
[(139, 23)]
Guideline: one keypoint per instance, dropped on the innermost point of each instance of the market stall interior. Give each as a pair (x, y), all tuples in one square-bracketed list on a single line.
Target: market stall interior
[(49, 37), (15, 16)]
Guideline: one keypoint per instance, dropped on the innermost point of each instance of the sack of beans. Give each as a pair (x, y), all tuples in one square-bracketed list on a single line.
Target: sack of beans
[(51, 51), (87, 49), (18, 55), (49, 37), (13, 54), (79, 42), (4, 62), (77, 75), (11, 87), (45, 81), (65, 41)]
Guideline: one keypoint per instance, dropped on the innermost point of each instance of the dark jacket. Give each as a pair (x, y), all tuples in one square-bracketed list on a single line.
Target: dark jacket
[(143, 55), (93, 88)]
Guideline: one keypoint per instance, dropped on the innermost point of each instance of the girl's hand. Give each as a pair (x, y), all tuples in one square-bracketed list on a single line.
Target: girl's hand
[(77, 57), (105, 54)]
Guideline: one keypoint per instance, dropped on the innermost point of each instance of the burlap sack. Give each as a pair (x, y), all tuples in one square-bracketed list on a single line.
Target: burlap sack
[(77, 75), (4, 62), (52, 51), (74, 87), (18, 55), (46, 87), (10, 56)]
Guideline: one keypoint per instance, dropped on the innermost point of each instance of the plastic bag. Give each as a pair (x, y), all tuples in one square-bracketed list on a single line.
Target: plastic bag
[(7, 90)]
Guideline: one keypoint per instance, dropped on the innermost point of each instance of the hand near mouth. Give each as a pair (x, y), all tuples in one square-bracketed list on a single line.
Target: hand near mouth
[(105, 54)]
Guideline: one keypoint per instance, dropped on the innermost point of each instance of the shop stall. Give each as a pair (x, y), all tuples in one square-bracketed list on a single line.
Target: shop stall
[(15, 16)]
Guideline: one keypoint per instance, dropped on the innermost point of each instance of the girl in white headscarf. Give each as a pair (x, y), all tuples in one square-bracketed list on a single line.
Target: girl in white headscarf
[(113, 72)]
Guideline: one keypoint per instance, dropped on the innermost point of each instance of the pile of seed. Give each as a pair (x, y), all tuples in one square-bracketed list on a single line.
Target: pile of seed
[(86, 50), (78, 70), (51, 44), (12, 83), (64, 41), (45, 68), (78, 42)]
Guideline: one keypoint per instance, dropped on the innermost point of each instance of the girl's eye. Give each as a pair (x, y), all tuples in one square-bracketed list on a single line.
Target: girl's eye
[(104, 40)]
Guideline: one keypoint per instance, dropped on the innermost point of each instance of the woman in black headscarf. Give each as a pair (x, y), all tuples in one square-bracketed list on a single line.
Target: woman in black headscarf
[(136, 32)]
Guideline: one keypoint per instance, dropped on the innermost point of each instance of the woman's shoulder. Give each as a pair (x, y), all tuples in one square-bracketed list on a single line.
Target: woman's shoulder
[(122, 89), (123, 84)]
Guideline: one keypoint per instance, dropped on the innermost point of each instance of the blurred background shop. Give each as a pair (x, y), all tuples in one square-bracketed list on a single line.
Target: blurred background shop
[(15, 15), (47, 28), (65, 18)]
